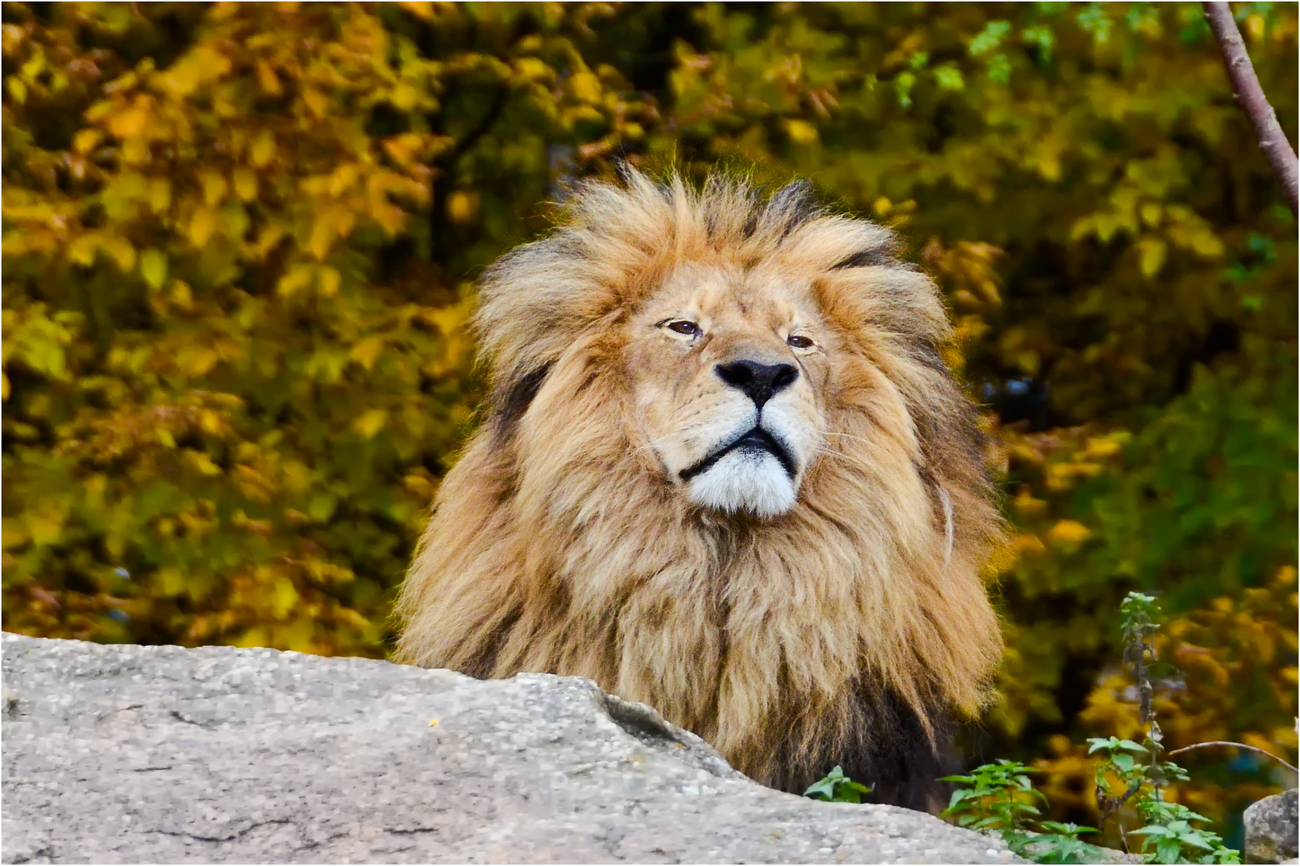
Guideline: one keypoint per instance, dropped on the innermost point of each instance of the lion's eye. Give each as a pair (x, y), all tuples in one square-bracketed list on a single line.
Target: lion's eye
[(798, 341), (684, 327)]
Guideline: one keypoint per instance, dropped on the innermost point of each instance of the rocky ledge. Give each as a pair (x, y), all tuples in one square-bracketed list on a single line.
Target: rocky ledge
[(132, 754)]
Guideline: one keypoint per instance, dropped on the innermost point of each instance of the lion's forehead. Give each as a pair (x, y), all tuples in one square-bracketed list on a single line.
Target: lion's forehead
[(758, 295)]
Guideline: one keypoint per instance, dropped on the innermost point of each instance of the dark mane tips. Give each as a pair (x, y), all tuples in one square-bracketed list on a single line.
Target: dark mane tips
[(515, 398), (876, 257), (791, 206)]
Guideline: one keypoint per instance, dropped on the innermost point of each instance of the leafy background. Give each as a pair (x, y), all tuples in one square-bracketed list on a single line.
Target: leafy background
[(239, 242)]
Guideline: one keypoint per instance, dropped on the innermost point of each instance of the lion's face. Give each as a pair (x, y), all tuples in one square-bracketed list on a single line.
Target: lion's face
[(728, 367)]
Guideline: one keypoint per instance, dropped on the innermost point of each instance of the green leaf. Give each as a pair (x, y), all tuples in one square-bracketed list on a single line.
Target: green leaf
[(989, 38)]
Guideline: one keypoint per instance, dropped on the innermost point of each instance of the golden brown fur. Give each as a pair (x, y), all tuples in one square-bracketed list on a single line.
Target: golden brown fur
[(846, 629)]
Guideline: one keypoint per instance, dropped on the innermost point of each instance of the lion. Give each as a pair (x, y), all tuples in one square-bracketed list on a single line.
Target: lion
[(724, 472)]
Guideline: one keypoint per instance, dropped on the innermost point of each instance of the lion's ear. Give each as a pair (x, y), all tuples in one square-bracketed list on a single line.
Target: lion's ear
[(513, 398)]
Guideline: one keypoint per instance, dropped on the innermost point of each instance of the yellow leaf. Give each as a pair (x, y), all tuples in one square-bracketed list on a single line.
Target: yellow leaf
[(153, 267), (298, 636), (370, 422), (989, 290), (214, 187), (800, 131), (1027, 505), (203, 463), (284, 596), (181, 294), (14, 533), (202, 226), (462, 206), (586, 87), (245, 183), (1068, 532), (122, 252), (531, 68), (451, 319), (135, 151), (198, 360), (329, 281), (334, 223), (1152, 254), (131, 122), (211, 60), (404, 97), (170, 581), (1027, 360), (366, 351), (389, 217), (85, 140), (1207, 245), (266, 77), (343, 178), (297, 277), (421, 10), (44, 527), (82, 251), (263, 150), (254, 637), (210, 422), (160, 194), (1102, 447), (322, 238), (316, 102)]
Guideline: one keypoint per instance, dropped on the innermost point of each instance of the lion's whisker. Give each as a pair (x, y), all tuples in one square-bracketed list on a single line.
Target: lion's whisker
[(849, 436)]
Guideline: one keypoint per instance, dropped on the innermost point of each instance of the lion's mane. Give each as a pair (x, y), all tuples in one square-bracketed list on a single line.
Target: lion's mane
[(847, 631)]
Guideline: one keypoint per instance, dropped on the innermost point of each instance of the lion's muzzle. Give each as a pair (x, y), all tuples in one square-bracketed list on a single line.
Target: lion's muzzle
[(755, 440)]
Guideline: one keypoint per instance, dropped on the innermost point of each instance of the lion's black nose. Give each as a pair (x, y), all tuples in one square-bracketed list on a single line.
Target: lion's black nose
[(760, 382)]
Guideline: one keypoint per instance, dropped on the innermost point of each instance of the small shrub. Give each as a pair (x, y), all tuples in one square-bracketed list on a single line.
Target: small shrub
[(835, 787)]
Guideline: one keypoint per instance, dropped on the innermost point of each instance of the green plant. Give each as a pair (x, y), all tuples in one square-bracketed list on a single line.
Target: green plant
[(835, 787), (1171, 838), (1000, 798), (1168, 832)]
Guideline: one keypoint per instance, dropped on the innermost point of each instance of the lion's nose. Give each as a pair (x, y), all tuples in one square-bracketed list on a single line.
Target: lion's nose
[(760, 382)]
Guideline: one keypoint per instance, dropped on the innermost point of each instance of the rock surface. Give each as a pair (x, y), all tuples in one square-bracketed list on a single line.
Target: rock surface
[(138, 754), (1271, 828)]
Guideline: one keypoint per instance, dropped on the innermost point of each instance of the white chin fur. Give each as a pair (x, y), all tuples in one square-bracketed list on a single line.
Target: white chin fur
[(744, 480)]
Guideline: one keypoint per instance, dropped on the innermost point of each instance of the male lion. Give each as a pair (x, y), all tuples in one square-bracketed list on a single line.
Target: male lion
[(726, 474)]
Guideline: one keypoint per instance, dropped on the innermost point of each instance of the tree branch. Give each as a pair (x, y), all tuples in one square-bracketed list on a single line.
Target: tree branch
[(1235, 746), (1245, 84), (480, 129)]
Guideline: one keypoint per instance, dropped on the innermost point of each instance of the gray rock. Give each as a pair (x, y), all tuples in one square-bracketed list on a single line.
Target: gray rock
[(1271, 829), (131, 754)]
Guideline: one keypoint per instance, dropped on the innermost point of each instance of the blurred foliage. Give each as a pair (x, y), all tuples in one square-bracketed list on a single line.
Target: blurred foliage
[(239, 242)]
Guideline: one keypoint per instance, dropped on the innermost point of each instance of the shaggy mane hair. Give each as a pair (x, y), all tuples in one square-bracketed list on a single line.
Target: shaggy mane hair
[(846, 631)]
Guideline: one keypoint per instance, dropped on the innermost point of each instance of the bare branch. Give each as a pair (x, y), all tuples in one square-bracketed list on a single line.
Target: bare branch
[(1245, 84), (1235, 746)]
